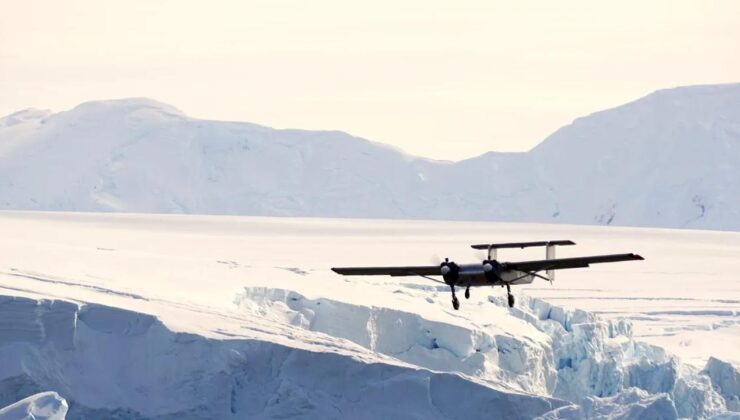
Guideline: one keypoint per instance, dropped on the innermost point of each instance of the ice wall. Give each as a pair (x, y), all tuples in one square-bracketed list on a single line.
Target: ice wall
[(379, 362), (725, 380), (591, 362), (599, 359), (520, 362), (108, 362), (632, 404)]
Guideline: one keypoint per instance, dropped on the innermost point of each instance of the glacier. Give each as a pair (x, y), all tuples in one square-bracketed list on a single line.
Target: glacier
[(585, 357), (162, 316), (109, 362)]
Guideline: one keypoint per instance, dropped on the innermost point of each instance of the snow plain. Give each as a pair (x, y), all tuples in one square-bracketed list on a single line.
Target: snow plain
[(143, 316)]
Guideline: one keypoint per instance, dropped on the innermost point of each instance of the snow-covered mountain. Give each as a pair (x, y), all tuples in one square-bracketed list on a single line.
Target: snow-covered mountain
[(671, 159)]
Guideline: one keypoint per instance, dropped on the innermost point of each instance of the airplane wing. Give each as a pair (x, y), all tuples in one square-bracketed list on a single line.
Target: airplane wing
[(425, 270), (563, 263)]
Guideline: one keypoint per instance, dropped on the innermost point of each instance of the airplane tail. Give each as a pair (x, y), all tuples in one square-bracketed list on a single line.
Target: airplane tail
[(549, 249), (550, 255), (493, 247)]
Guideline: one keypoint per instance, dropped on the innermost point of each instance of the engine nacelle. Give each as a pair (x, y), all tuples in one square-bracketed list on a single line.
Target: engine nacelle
[(492, 270), (450, 271)]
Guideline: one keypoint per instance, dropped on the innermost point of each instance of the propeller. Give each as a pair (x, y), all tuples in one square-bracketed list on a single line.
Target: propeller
[(444, 267), (492, 269), (487, 266), (450, 271)]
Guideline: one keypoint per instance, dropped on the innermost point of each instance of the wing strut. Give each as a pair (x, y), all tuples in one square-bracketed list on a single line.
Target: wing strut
[(429, 278)]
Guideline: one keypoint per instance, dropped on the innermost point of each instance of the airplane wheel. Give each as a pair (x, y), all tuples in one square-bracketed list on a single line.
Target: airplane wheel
[(467, 293), (455, 303), (511, 301)]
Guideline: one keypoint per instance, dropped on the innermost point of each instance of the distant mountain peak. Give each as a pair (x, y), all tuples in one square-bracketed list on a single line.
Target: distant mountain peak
[(127, 106)]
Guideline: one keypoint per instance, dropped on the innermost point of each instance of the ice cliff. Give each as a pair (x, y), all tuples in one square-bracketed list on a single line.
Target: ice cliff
[(373, 362), (593, 363), (112, 363)]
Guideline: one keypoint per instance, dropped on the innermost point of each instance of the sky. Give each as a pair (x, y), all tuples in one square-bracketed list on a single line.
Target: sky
[(441, 79)]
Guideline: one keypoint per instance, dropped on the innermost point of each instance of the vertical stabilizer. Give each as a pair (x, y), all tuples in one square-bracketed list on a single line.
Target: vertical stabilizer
[(492, 254), (550, 255)]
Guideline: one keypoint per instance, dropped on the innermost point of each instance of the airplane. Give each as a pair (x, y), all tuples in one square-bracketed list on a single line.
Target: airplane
[(492, 272)]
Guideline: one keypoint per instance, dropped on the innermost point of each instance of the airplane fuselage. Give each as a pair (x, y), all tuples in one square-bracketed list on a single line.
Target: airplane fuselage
[(473, 275)]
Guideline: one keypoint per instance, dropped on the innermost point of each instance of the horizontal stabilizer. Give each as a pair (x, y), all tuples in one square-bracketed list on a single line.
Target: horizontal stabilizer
[(521, 244)]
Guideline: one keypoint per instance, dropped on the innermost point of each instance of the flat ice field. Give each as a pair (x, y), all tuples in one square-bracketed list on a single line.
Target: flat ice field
[(233, 317)]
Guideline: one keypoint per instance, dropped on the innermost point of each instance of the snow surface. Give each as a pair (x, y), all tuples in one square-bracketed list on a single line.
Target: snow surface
[(233, 317), (670, 159)]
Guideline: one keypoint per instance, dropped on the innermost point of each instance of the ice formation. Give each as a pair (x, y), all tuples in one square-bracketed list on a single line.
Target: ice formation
[(588, 361), (41, 406), (111, 362)]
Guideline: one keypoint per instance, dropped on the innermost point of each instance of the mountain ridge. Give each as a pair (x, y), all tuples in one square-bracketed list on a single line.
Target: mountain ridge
[(669, 159)]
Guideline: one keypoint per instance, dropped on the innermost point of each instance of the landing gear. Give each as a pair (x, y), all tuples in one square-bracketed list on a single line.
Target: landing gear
[(467, 292), (509, 296), (455, 302)]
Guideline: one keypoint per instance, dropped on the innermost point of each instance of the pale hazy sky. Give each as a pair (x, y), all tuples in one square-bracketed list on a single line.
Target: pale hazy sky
[(447, 80)]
